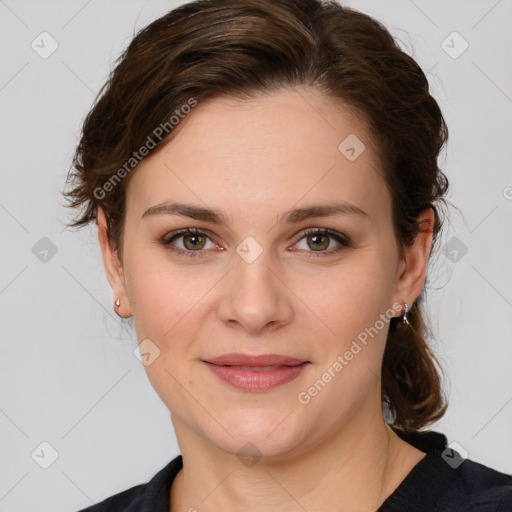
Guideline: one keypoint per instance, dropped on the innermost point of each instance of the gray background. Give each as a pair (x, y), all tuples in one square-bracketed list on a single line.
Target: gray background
[(68, 373)]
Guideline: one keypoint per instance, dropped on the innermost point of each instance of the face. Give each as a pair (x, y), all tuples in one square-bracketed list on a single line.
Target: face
[(255, 281)]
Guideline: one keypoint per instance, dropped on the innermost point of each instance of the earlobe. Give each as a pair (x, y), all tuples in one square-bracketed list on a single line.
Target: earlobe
[(113, 267), (415, 260)]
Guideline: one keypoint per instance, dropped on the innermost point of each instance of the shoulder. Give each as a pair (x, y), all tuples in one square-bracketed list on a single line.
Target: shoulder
[(434, 485), (444, 480), (127, 501), (485, 487), (468, 487), (150, 496)]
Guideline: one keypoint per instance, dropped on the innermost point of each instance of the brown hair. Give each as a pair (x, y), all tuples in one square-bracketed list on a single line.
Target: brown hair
[(211, 48)]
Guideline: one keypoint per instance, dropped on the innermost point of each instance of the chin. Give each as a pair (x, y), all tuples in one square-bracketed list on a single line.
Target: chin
[(260, 432)]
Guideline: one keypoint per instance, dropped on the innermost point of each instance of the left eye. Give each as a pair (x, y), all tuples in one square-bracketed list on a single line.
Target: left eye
[(320, 240), (195, 240)]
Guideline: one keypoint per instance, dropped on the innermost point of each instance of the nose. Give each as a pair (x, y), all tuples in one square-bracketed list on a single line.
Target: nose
[(255, 297)]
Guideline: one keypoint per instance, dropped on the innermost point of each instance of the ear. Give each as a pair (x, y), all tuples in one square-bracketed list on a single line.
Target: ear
[(412, 269), (113, 267)]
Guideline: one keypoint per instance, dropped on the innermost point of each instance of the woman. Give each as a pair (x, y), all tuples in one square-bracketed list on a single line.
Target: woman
[(264, 179)]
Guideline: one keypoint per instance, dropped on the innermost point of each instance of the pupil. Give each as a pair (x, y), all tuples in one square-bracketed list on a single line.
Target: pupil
[(316, 238), (191, 238)]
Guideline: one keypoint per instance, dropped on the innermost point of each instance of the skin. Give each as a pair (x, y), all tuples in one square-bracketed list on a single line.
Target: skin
[(253, 160)]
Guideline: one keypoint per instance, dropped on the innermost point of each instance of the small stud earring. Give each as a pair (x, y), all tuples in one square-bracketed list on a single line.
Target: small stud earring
[(118, 302), (404, 317)]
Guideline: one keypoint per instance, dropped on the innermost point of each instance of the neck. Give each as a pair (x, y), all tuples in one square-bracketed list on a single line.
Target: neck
[(356, 469)]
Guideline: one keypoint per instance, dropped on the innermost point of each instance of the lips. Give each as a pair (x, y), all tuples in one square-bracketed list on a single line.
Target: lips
[(246, 360), (255, 368), (256, 373)]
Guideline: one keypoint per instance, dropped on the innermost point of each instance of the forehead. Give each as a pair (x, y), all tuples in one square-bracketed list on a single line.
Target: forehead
[(264, 155)]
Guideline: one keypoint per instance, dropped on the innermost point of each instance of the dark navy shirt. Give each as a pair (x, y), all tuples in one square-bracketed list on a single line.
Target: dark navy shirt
[(440, 482)]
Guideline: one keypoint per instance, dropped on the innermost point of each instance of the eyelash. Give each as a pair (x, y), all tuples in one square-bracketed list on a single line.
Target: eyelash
[(343, 240)]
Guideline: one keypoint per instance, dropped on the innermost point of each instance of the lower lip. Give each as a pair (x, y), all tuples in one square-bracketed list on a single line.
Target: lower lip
[(249, 380)]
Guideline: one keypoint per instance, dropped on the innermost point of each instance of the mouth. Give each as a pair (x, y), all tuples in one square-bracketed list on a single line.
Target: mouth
[(256, 373)]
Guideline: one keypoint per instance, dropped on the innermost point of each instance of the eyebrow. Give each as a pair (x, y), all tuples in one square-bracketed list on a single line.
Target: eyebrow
[(292, 216)]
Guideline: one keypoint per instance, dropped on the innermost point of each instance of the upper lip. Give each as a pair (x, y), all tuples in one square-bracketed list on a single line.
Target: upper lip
[(238, 359)]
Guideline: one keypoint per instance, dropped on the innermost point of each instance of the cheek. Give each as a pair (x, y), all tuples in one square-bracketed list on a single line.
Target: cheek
[(348, 297), (353, 307), (165, 312), (161, 294), (352, 346)]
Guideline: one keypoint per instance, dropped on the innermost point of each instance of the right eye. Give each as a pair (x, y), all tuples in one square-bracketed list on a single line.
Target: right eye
[(193, 242)]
